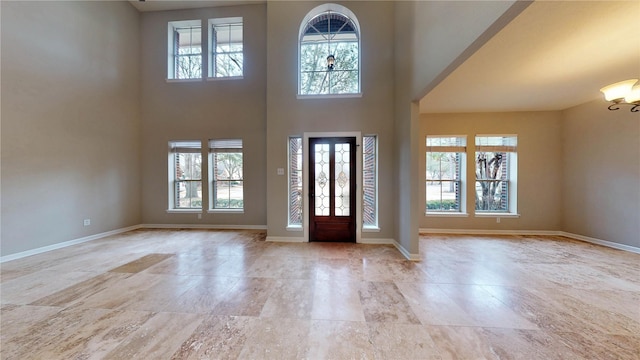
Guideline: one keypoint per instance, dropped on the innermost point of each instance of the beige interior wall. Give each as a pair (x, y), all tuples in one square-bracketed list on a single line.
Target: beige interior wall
[(431, 38), (540, 167), (601, 186), (287, 115), (70, 121), (203, 110)]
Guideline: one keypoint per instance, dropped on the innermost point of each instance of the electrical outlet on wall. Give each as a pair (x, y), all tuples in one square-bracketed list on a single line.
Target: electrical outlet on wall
[(498, 220), (87, 222)]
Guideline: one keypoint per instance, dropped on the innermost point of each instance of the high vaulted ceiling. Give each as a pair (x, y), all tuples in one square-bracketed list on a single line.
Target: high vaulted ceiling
[(554, 55)]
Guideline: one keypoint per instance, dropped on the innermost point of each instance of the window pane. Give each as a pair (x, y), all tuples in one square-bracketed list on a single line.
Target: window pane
[(314, 83), (313, 56), (443, 166), (443, 195), (188, 194), (187, 52), (492, 196), (492, 181), (188, 166), (227, 50), (229, 64), (321, 179), (342, 179), (222, 194)]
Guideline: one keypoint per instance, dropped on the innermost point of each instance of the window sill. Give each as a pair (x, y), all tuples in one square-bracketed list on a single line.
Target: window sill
[(225, 211), (498, 215), (294, 228), (370, 229), (184, 80), (184, 211), (221, 78), (446, 214), (329, 96)]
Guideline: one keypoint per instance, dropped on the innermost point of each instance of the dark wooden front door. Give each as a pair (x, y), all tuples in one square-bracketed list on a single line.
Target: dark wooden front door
[(332, 189)]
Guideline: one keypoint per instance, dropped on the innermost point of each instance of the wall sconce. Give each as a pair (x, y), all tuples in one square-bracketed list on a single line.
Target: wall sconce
[(623, 93), (330, 62)]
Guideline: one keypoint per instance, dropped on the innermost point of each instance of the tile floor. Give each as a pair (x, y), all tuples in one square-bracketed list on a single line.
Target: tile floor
[(200, 294)]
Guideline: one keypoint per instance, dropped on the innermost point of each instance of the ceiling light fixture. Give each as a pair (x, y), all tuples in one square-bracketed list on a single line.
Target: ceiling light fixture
[(623, 93)]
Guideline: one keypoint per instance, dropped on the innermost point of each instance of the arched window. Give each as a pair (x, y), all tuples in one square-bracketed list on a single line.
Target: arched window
[(329, 52)]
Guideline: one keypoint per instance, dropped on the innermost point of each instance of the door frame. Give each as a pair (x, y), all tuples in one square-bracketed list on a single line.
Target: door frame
[(305, 177)]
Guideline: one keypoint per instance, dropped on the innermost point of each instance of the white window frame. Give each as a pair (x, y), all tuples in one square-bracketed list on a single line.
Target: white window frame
[(212, 46), (312, 14), (223, 146), (171, 55), (511, 151), (375, 226), (177, 147), (458, 149)]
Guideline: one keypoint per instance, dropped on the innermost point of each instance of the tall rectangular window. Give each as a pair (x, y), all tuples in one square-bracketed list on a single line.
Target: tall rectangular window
[(370, 181), (185, 175), (185, 50), (495, 163), (227, 57), (295, 181), (226, 172), (444, 173)]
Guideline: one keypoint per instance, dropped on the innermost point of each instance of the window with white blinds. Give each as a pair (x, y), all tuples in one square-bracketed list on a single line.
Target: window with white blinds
[(226, 48), (185, 50), (445, 159), (185, 175), (495, 165)]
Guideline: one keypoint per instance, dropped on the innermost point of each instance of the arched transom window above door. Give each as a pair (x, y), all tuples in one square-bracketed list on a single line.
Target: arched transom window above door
[(329, 52)]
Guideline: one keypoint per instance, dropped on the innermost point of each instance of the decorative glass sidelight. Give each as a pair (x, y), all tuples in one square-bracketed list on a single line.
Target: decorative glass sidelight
[(322, 185), (342, 179)]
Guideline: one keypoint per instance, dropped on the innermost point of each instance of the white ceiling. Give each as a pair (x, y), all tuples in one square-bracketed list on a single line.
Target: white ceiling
[(554, 55), (160, 5)]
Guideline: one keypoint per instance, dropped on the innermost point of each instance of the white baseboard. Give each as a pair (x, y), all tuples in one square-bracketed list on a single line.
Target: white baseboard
[(377, 241), (203, 226), (289, 239), (606, 243), (406, 253), (61, 245), (591, 240), (489, 232)]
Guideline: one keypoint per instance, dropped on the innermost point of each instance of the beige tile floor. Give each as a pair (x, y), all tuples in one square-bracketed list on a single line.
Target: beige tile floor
[(199, 294)]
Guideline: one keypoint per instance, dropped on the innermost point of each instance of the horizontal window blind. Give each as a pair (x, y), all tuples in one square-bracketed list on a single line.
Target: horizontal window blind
[(225, 145), (185, 146), (496, 143), (446, 143)]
